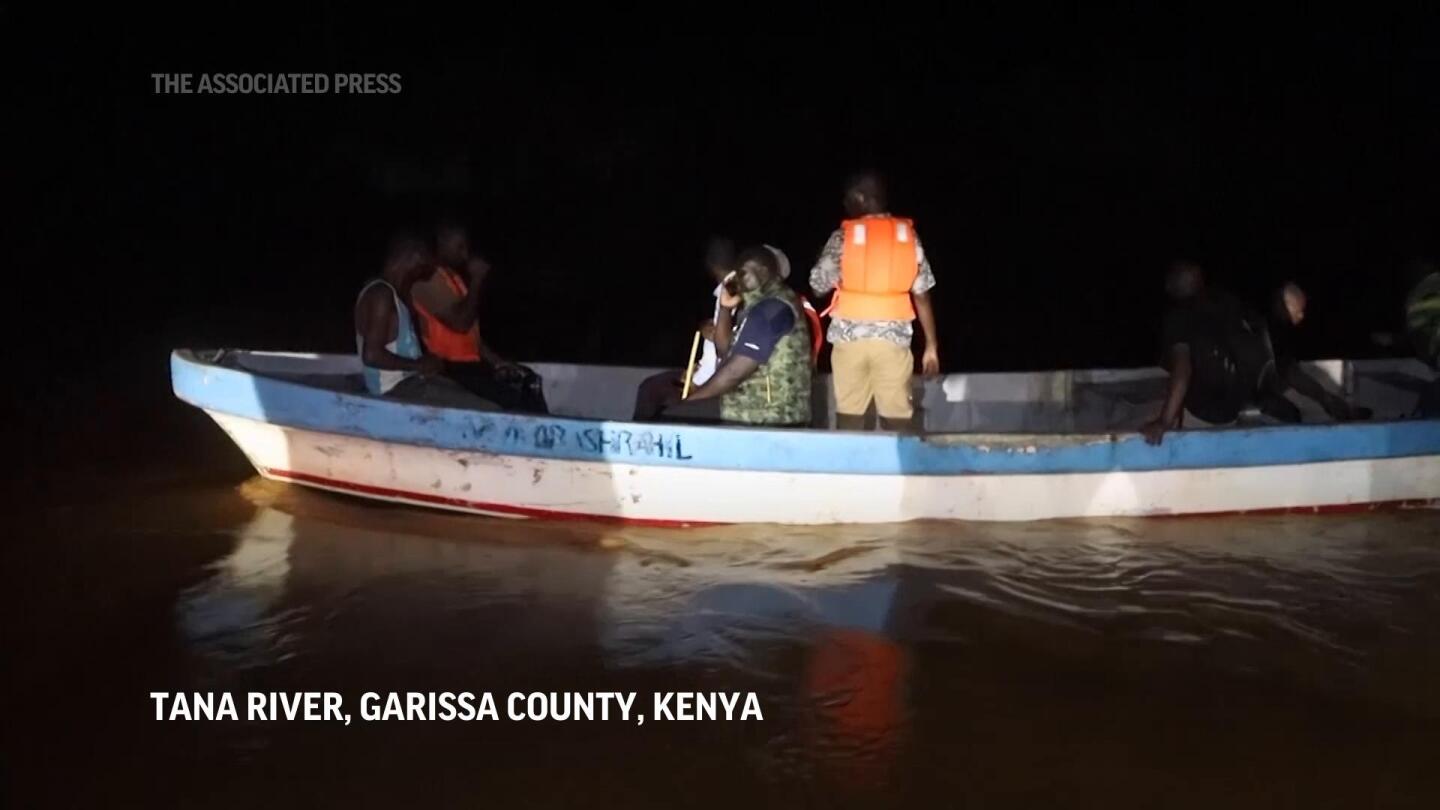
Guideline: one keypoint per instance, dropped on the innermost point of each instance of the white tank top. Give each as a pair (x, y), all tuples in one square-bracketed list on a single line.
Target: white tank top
[(406, 344)]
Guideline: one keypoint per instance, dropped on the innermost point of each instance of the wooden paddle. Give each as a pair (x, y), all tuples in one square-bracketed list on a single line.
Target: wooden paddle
[(690, 369)]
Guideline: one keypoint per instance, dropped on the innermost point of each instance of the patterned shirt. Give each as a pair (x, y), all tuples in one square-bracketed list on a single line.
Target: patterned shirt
[(825, 276)]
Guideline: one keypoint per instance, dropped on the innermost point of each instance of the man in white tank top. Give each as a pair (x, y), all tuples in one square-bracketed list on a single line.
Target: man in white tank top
[(394, 362)]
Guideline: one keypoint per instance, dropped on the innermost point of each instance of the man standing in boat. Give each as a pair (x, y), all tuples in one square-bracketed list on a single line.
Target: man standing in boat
[(882, 281), (394, 361), (448, 302), (765, 372)]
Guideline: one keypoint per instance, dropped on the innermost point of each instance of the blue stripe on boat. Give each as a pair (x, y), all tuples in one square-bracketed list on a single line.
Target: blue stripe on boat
[(277, 401)]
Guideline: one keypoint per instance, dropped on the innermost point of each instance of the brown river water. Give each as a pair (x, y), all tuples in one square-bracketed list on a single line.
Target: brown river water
[(1238, 662)]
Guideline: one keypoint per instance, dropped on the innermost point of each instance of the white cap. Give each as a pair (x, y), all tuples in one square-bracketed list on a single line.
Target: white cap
[(780, 259)]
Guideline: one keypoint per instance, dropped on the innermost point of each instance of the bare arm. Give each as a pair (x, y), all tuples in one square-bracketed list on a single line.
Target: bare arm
[(375, 314), (724, 330), (930, 362), (1176, 388), (731, 373), (457, 313)]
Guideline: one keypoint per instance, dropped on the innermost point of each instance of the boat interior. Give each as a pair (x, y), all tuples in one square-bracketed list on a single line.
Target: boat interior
[(1077, 401)]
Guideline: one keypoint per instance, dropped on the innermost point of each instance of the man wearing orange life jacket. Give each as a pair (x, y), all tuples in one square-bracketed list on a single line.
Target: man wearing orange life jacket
[(882, 281), (449, 309)]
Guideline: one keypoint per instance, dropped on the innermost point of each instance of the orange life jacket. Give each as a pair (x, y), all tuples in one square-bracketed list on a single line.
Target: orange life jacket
[(877, 268), (442, 341)]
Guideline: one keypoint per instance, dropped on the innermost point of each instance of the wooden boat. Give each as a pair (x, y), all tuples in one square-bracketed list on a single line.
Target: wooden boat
[(995, 447)]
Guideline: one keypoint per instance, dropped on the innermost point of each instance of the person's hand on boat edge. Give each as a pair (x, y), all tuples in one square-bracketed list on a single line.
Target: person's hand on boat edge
[(1153, 431), (930, 362)]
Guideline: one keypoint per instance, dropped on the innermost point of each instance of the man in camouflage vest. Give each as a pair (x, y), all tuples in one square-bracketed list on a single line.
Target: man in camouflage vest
[(764, 376), (1422, 327), (1422, 313)]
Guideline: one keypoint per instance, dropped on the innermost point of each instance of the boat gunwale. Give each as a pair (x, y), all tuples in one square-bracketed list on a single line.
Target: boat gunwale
[(1034, 445)]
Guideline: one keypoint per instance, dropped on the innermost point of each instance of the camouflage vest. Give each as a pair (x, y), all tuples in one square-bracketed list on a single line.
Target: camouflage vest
[(1422, 318), (778, 393)]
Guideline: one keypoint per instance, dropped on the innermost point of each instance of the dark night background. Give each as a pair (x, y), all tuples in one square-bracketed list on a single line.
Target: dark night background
[(1053, 164)]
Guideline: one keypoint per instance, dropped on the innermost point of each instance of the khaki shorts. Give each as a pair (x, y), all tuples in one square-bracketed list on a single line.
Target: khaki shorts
[(872, 369)]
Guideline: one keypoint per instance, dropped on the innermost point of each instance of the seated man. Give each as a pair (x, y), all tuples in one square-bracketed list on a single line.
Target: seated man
[(394, 363), (449, 308), (765, 372), (657, 390), (1287, 312), (1218, 357)]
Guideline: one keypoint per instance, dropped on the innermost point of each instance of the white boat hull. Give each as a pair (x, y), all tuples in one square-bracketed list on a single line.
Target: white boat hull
[(526, 486)]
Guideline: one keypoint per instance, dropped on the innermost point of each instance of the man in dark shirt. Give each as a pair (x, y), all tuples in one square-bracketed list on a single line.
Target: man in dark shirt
[(1216, 352), (1212, 349)]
